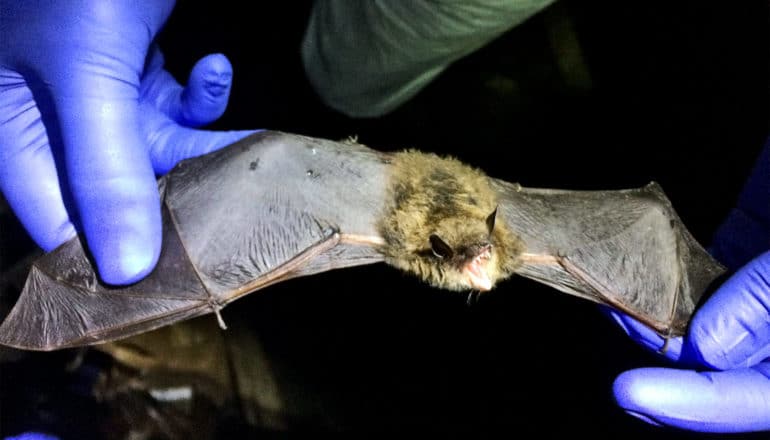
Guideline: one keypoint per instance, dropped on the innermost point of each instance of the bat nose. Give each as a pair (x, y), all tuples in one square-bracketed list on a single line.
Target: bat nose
[(480, 251), (483, 251)]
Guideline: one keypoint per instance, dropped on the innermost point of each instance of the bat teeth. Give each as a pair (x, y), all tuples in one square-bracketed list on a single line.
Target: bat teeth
[(477, 274)]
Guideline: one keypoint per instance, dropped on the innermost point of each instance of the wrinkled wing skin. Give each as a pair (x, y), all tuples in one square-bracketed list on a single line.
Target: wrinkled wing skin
[(268, 208), (250, 208), (627, 249), (63, 304)]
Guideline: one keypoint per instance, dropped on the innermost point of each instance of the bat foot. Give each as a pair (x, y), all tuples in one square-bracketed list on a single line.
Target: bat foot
[(667, 337), (220, 320)]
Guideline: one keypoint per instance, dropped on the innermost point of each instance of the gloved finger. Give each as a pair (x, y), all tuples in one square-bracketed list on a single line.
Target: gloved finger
[(183, 143), (732, 329), (205, 97), (109, 173), (726, 401), (171, 143), (201, 102), (32, 435), (671, 348), (28, 175)]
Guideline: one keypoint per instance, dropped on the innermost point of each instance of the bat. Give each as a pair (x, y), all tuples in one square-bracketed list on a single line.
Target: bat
[(276, 206)]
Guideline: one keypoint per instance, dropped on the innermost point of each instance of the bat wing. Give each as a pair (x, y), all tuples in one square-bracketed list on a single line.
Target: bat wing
[(269, 208), (627, 249)]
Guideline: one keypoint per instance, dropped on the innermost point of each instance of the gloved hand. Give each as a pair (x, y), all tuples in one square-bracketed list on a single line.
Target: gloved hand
[(88, 117), (728, 342), (32, 436)]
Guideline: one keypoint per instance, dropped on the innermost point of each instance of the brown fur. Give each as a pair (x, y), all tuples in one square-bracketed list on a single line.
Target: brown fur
[(428, 195)]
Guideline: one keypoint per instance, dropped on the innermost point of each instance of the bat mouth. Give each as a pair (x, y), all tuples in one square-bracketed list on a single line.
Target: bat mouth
[(476, 270)]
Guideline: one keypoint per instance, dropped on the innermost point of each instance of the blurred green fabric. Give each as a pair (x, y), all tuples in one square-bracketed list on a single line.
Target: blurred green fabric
[(364, 59)]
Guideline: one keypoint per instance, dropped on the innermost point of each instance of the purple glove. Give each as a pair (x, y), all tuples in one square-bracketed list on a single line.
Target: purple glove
[(32, 436), (88, 117), (731, 333)]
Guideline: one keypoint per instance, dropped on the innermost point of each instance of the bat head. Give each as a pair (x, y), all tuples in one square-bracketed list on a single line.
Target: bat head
[(471, 260), (441, 224)]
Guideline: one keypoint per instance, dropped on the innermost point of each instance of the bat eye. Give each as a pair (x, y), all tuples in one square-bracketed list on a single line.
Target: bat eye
[(491, 221), (440, 248)]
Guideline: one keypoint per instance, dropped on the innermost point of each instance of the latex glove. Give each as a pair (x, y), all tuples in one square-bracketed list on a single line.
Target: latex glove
[(731, 333), (88, 117), (32, 436)]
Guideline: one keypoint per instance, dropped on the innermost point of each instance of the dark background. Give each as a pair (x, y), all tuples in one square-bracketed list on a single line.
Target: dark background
[(677, 93)]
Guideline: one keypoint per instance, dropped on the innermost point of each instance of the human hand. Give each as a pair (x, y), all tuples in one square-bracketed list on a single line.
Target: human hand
[(89, 117), (728, 342), (32, 436)]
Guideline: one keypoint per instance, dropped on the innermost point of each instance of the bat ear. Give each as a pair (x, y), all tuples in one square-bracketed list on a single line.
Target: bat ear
[(440, 248), (491, 220)]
